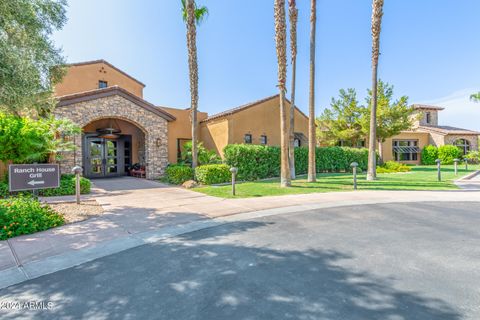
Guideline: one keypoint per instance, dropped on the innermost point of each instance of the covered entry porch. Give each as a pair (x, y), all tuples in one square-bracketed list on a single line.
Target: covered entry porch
[(113, 147), (120, 130)]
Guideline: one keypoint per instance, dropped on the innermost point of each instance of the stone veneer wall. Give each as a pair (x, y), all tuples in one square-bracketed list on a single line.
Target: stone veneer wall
[(154, 127), (451, 138)]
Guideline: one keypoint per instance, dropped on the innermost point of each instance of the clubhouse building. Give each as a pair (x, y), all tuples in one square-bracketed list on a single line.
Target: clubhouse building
[(121, 129)]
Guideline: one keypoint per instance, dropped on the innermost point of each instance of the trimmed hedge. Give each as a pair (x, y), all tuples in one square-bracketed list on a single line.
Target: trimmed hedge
[(260, 162), (25, 215), (253, 161), (67, 187), (213, 173), (429, 155), (178, 174), (449, 152)]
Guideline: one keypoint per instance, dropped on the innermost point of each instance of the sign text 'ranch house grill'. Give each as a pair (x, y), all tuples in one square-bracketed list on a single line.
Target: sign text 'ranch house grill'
[(33, 176)]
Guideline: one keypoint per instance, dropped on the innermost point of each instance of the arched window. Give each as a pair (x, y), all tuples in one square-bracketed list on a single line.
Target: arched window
[(463, 145)]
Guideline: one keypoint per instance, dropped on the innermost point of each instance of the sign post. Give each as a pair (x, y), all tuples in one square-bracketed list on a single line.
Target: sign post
[(33, 176)]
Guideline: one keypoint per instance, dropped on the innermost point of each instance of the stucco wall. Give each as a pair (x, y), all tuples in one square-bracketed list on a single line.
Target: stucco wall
[(152, 125), (181, 128), (388, 144), (258, 120), (215, 134), (85, 78)]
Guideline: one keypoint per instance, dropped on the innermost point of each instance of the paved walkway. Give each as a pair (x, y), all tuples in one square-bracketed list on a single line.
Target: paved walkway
[(472, 183), (141, 211)]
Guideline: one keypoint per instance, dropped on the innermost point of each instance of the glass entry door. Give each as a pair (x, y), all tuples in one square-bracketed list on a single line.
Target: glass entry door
[(103, 157)]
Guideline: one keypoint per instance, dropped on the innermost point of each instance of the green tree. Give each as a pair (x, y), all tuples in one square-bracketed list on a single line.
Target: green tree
[(293, 18), (377, 13), (24, 140), (343, 120), (193, 16), (281, 46), (475, 97), (393, 116), (312, 139), (28, 57)]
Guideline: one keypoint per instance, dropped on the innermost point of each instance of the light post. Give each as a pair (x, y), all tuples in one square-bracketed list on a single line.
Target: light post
[(455, 166), (439, 172), (234, 171), (77, 171), (354, 166)]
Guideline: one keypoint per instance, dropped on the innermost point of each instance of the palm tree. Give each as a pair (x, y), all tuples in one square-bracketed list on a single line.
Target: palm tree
[(475, 97), (377, 13), (293, 17), (193, 16), (311, 105), (281, 46)]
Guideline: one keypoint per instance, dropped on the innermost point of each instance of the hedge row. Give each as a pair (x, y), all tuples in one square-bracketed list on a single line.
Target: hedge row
[(213, 173), (67, 187), (445, 153), (260, 162)]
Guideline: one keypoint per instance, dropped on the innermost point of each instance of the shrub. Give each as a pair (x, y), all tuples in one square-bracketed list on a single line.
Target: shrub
[(259, 162), (25, 215), (253, 161), (392, 167), (67, 187), (473, 157), (204, 156), (213, 173), (429, 155), (178, 174), (447, 153)]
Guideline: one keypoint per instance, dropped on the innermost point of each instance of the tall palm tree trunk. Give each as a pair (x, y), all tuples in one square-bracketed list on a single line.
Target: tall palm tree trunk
[(312, 174), (281, 46), (293, 16), (193, 72), (377, 13)]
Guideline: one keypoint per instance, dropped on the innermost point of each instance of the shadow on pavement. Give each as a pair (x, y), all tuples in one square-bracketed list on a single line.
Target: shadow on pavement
[(203, 275)]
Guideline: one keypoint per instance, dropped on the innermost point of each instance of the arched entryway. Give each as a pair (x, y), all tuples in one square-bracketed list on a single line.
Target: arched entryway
[(116, 107), (113, 147)]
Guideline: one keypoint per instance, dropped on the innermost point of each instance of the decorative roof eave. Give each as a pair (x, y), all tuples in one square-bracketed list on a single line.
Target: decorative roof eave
[(448, 130), (111, 91), (245, 107), (77, 64), (426, 107)]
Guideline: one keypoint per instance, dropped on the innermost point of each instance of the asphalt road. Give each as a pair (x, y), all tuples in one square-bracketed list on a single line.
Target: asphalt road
[(385, 261)]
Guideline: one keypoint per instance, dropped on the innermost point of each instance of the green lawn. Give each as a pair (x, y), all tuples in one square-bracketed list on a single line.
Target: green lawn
[(420, 178)]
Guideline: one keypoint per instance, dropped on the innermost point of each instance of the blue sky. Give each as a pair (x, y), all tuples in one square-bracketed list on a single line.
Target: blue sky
[(430, 50)]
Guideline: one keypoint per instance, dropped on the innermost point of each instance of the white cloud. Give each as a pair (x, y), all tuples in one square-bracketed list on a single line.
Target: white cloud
[(459, 110)]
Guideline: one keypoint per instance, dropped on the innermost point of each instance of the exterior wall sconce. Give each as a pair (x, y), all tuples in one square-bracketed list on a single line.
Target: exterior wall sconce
[(158, 142)]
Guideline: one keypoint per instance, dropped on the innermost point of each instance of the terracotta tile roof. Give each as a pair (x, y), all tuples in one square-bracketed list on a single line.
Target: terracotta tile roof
[(426, 107), (244, 107), (108, 64), (110, 91), (444, 130)]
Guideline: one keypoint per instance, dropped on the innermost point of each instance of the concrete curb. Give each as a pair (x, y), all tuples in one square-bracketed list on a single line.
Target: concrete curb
[(35, 269), (468, 177)]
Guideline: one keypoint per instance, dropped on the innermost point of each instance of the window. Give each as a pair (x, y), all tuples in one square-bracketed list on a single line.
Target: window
[(102, 84), (428, 117), (297, 143), (361, 144), (248, 138), (263, 140), (405, 150), (463, 145)]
